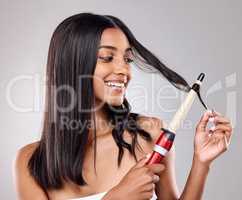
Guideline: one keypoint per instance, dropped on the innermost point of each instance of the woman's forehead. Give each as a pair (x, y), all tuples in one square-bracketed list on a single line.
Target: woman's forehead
[(114, 37)]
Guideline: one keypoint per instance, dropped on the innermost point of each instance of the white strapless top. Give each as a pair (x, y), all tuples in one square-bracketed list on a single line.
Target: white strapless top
[(98, 196)]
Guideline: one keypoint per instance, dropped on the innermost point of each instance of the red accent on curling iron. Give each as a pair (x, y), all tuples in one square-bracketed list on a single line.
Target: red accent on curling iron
[(167, 136)]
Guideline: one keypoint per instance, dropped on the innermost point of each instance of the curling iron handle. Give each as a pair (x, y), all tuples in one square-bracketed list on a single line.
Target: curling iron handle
[(162, 146)]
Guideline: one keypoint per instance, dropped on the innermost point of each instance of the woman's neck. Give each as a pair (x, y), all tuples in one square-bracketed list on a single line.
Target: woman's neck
[(102, 123)]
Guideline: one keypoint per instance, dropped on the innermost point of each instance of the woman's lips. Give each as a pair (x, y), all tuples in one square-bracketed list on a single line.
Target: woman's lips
[(116, 87)]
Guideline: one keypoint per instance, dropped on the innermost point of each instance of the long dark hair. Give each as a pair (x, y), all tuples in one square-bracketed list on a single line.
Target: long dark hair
[(73, 53)]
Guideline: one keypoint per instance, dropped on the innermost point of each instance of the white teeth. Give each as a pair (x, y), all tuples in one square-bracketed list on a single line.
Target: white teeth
[(114, 84)]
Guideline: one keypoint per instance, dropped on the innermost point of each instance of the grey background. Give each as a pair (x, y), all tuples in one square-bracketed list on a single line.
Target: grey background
[(189, 36)]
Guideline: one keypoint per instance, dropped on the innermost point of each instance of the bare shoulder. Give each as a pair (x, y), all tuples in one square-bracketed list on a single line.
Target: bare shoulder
[(26, 186), (24, 153)]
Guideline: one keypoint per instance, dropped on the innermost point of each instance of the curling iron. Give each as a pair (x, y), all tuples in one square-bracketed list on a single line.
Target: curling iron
[(167, 136)]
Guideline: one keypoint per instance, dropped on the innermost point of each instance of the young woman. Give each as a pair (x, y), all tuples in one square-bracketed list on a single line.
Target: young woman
[(92, 145)]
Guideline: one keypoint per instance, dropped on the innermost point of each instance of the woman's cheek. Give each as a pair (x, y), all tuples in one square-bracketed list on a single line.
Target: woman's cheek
[(98, 88), (98, 81)]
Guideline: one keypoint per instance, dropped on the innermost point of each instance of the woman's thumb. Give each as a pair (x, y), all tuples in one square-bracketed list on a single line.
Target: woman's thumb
[(142, 161)]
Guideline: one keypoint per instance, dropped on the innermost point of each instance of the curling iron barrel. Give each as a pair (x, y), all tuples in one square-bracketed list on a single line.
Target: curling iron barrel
[(167, 136)]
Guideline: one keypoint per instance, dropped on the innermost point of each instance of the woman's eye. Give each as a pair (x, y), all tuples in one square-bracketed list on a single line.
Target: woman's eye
[(128, 60), (106, 59)]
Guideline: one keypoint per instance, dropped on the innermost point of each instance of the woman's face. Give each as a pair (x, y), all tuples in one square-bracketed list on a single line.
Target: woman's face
[(112, 73)]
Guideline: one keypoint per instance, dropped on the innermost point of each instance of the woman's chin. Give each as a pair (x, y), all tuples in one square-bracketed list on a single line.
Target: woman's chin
[(117, 102)]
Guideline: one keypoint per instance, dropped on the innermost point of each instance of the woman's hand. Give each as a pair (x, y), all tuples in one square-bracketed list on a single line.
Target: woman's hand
[(209, 144), (138, 183)]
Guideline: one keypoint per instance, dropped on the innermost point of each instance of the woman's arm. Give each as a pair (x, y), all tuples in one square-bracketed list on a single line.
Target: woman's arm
[(166, 188), (26, 187), (196, 181)]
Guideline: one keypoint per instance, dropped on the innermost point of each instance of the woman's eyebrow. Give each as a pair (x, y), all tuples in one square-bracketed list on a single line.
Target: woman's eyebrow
[(114, 48)]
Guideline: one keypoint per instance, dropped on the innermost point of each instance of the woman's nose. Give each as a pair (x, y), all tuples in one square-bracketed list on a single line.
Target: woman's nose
[(121, 67)]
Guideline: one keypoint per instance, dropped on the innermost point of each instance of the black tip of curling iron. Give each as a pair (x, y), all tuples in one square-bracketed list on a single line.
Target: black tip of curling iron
[(201, 77)]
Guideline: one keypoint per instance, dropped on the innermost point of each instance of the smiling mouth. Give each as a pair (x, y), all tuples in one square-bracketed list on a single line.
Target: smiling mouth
[(116, 86)]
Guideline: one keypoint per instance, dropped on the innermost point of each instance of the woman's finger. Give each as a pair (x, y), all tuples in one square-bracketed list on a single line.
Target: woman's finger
[(141, 162), (156, 178), (201, 127), (221, 119), (215, 113), (221, 133), (221, 127), (156, 168)]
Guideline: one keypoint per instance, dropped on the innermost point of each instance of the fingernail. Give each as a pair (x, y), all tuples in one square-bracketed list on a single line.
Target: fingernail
[(211, 119), (214, 112), (148, 155), (209, 111), (212, 128)]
